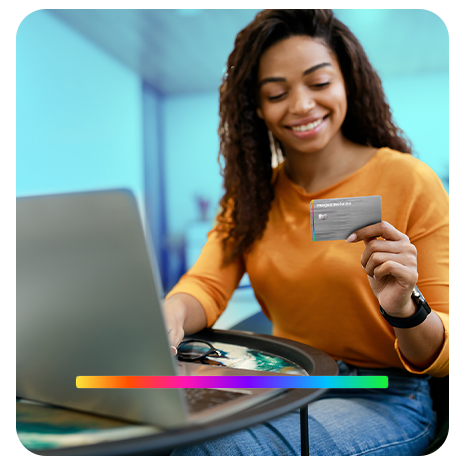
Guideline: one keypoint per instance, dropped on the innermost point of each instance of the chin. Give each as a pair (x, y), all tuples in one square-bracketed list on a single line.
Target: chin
[(308, 147)]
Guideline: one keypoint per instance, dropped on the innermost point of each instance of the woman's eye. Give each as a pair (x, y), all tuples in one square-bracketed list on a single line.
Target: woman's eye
[(276, 97), (321, 85)]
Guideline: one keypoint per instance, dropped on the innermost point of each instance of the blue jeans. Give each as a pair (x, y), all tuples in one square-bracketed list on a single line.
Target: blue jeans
[(397, 421)]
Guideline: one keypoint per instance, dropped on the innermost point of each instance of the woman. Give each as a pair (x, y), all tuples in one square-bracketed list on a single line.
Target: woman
[(299, 80)]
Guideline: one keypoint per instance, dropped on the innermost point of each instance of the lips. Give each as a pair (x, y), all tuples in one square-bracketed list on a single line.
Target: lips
[(307, 124), (307, 128)]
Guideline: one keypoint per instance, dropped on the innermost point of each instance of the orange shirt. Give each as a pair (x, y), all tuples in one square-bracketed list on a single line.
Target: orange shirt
[(317, 292)]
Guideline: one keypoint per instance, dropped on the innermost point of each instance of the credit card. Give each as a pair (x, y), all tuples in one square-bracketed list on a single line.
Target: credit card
[(338, 218)]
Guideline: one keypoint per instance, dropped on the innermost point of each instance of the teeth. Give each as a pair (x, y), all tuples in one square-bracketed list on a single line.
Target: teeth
[(309, 126)]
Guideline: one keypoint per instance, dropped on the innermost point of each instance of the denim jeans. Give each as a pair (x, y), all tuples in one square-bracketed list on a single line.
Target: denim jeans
[(397, 421)]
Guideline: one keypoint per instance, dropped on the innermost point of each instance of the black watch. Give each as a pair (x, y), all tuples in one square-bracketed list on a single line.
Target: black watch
[(423, 310)]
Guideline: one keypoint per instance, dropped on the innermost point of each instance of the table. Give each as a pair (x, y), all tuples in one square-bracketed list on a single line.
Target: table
[(153, 441)]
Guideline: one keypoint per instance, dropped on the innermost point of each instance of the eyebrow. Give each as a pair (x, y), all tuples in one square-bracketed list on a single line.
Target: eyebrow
[(282, 79)]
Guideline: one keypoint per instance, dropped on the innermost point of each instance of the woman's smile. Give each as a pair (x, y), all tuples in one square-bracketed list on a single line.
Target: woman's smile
[(302, 97), (307, 130)]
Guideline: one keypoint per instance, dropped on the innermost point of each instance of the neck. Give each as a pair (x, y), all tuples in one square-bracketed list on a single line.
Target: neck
[(317, 170)]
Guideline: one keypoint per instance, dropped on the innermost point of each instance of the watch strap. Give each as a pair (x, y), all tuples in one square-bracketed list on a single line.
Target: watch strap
[(423, 310)]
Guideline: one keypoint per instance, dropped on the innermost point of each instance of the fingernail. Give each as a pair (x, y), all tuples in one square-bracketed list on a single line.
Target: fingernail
[(174, 348), (351, 238)]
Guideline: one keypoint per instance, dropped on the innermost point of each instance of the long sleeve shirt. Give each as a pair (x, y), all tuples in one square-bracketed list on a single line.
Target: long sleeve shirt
[(317, 292)]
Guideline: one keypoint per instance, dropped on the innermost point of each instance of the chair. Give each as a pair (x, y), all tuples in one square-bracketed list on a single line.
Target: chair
[(439, 390)]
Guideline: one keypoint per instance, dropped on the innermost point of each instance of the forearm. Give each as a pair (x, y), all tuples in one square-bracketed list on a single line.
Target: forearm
[(421, 345)]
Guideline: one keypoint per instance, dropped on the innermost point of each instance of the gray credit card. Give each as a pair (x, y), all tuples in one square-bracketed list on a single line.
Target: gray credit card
[(338, 218)]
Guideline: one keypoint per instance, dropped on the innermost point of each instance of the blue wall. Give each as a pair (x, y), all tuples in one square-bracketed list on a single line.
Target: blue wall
[(79, 113), (420, 105), (191, 152)]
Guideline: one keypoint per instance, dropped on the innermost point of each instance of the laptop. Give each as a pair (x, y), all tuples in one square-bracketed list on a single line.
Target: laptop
[(88, 297)]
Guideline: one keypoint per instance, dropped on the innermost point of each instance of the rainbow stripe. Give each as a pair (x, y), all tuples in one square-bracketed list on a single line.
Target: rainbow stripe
[(313, 232), (231, 382)]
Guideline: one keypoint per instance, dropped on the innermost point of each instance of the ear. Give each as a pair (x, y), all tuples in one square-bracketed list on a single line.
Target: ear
[(259, 113)]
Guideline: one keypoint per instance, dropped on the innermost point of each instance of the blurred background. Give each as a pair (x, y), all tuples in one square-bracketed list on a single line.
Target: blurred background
[(129, 98)]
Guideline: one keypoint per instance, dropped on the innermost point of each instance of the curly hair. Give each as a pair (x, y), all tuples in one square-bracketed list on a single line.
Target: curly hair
[(244, 140)]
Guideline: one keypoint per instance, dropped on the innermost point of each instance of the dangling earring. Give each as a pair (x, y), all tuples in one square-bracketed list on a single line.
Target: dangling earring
[(276, 150)]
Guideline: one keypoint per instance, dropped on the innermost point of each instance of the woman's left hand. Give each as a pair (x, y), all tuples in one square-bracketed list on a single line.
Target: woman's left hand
[(391, 266)]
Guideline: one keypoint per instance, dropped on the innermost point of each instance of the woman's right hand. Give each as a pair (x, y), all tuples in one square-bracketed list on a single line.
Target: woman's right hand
[(174, 320), (183, 314)]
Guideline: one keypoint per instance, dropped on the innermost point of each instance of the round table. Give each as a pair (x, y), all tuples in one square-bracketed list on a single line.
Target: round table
[(314, 361)]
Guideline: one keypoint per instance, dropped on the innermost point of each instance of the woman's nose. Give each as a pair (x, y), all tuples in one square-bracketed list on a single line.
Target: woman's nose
[(302, 102)]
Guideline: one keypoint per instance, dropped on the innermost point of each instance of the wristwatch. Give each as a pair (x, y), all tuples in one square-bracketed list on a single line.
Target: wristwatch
[(423, 310)]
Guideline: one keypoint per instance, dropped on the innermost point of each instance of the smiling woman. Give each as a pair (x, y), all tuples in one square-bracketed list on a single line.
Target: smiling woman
[(300, 80), (360, 118), (312, 81)]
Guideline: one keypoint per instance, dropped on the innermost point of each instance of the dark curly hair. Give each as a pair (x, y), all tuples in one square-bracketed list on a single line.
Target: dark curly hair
[(244, 140)]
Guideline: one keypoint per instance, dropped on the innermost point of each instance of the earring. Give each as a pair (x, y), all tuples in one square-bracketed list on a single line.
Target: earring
[(276, 150)]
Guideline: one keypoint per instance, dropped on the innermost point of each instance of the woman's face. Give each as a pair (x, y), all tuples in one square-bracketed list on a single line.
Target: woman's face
[(302, 97)]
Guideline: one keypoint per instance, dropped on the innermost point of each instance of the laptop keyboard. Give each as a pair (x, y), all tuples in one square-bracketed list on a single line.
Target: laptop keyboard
[(199, 399)]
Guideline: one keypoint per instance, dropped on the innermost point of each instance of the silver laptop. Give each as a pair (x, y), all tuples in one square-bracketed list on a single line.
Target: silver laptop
[(88, 299)]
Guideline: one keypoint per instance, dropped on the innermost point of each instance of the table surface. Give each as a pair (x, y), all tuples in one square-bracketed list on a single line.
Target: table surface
[(51, 430)]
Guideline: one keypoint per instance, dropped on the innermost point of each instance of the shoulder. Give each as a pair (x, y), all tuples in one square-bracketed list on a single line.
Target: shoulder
[(407, 170), (413, 197), (397, 161)]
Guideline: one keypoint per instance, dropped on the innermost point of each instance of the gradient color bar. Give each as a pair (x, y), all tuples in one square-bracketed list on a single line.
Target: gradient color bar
[(313, 238), (231, 382)]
